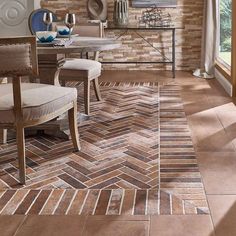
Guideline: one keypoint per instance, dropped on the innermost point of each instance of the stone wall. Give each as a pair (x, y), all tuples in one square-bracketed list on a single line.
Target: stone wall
[(188, 14)]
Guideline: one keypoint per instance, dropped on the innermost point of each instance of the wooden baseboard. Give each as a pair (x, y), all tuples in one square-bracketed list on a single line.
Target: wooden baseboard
[(226, 72)]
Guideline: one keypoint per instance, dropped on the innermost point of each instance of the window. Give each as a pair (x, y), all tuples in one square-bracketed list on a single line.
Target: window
[(225, 16)]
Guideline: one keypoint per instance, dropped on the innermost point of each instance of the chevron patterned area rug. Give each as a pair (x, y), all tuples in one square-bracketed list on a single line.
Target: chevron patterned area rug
[(137, 158)]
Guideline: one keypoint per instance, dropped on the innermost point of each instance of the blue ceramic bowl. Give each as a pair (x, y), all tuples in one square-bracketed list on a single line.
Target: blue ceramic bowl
[(46, 36), (63, 30)]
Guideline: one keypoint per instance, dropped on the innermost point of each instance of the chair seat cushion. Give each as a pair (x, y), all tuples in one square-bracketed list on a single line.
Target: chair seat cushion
[(38, 100), (80, 68)]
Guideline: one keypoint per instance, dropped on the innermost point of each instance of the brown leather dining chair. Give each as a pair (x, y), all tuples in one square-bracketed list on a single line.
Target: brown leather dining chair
[(29, 104), (84, 70)]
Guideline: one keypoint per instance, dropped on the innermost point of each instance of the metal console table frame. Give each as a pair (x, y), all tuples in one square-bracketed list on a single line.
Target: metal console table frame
[(136, 29)]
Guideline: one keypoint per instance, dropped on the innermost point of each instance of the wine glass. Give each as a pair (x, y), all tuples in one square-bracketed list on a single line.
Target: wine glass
[(70, 22), (47, 19)]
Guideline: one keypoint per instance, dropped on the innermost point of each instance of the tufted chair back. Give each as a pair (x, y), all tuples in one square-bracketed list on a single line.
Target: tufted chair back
[(18, 57)]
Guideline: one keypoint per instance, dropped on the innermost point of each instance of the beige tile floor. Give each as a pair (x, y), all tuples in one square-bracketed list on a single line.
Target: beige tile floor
[(212, 119)]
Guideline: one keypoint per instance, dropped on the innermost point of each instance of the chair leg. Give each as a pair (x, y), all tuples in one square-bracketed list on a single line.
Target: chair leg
[(72, 116), (63, 83), (20, 136), (87, 96), (97, 89), (32, 79), (3, 136)]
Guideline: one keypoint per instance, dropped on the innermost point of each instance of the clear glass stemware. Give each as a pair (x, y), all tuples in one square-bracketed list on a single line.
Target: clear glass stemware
[(47, 19), (70, 22)]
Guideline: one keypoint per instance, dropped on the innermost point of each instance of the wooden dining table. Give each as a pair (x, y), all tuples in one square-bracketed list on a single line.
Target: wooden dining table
[(51, 59)]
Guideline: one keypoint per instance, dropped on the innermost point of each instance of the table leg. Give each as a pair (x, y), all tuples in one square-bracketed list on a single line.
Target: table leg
[(96, 56), (49, 68), (173, 53), (3, 136)]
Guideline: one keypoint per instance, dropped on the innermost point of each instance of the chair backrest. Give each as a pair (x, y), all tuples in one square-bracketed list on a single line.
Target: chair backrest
[(86, 29), (89, 30), (35, 20), (18, 57)]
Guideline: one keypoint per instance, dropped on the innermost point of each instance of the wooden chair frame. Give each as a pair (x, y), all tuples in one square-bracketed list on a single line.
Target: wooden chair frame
[(87, 85), (20, 123), (35, 12), (86, 81)]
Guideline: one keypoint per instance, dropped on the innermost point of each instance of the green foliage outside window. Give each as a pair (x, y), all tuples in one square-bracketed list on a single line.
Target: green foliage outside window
[(225, 25)]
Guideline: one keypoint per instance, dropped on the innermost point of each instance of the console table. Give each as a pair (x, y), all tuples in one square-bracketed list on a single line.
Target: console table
[(137, 30)]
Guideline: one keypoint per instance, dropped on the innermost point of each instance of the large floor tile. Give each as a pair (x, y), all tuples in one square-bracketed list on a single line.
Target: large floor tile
[(52, 226), (218, 172), (208, 133), (119, 218), (10, 224), (195, 102), (223, 210), (217, 96), (181, 226), (227, 116), (116, 228), (143, 76)]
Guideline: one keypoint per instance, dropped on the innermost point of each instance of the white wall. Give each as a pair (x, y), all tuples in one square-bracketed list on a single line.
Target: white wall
[(37, 4), (14, 16)]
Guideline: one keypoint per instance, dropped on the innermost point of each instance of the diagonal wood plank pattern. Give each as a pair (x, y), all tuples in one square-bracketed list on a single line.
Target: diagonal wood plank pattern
[(137, 158)]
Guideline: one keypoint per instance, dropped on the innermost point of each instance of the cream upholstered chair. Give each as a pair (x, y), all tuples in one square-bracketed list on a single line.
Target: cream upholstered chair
[(28, 104), (84, 70)]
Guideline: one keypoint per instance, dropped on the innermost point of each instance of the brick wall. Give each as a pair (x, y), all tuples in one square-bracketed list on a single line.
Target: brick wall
[(188, 14)]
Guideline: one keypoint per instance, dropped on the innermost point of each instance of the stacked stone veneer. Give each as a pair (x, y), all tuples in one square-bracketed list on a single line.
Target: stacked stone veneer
[(188, 14)]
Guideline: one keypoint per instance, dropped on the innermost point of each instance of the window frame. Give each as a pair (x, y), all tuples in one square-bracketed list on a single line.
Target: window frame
[(220, 63), (233, 59)]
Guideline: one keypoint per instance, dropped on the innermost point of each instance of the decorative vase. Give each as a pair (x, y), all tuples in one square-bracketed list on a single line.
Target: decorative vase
[(97, 9), (121, 12)]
